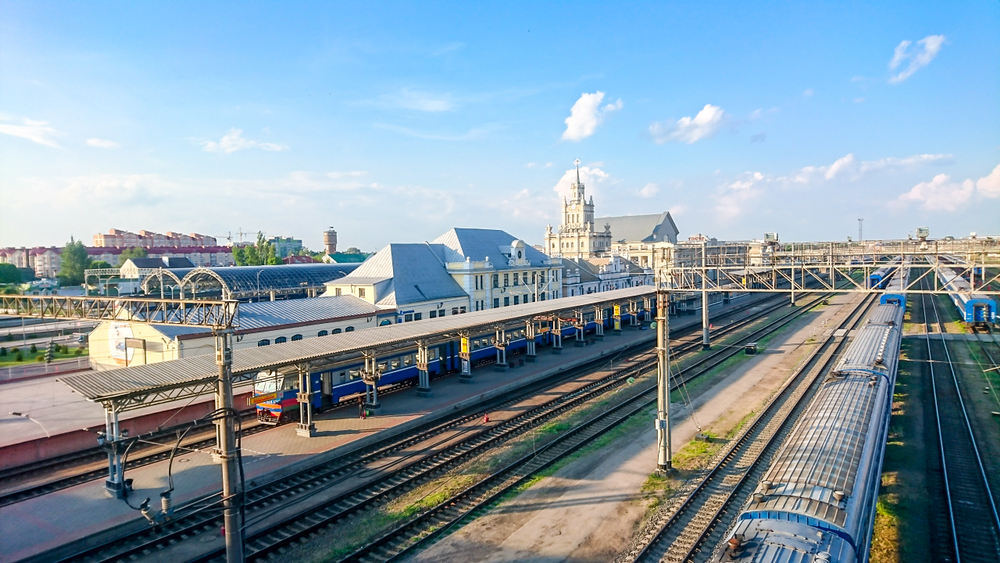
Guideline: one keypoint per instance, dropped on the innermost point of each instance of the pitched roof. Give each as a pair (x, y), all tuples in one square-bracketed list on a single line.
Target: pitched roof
[(346, 258), (658, 227), (588, 271), (414, 272), (478, 244), (274, 314)]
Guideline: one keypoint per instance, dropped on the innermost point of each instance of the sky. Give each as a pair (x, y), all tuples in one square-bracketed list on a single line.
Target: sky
[(394, 122)]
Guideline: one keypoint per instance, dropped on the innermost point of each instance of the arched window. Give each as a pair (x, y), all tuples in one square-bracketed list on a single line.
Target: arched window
[(385, 322), (296, 337), (336, 331), (264, 342), (280, 340), (349, 329), (322, 333)]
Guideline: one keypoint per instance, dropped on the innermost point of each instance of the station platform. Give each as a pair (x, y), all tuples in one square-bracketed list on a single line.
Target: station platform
[(33, 527)]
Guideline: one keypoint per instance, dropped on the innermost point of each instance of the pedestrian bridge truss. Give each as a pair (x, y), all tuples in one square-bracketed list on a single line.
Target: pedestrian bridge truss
[(824, 267), (214, 314)]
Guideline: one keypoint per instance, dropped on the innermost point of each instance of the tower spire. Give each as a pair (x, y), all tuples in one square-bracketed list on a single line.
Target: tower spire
[(577, 163)]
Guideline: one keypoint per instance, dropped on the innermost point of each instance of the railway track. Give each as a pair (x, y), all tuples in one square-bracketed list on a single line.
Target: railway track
[(691, 530), (972, 520), (416, 532), (202, 515)]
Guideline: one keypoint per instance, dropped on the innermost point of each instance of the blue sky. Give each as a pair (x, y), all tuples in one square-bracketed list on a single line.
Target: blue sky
[(396, 122)]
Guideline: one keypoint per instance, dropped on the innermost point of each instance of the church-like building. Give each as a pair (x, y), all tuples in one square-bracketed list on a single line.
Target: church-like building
[(582, 236)]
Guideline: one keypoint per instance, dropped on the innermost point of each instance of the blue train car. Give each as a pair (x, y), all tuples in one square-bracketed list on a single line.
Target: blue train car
[(974, 308), (895, 288), (879, 279)]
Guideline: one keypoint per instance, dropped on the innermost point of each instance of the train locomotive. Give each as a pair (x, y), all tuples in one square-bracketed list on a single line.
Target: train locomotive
[(816, 502), (976, 309), (275, 392)]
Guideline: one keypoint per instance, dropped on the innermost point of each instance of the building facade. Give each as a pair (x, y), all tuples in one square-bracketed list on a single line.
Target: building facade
[(577, 236), (146, 239)]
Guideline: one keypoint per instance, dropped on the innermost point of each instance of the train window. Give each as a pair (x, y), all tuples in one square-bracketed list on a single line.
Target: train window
[(296, 337), (434, 314), (264, 342), (408, 360), (322, 333), (280, 340), (432, 354), (336, 331), (394, 363), (355, 373), (383, 366), (349, 329), (290, 382), (418, 316)]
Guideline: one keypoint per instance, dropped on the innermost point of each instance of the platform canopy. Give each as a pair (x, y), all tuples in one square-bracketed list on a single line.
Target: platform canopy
[(145, 385)]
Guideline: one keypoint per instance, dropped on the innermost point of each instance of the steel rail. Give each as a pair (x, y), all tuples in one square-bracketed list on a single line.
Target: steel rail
[(302, 525), (674, 539), (978, 536), (313, 477)]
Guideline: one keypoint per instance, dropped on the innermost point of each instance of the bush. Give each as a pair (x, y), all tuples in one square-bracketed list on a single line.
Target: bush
[(18, 357), (33, 349), (15, 350), (40, 359), (78, 352)]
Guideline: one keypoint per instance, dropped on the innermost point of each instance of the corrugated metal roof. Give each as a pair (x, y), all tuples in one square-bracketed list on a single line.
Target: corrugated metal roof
[(417, 272), (640, 228), (119, 383), (272, 314), (478, 244)]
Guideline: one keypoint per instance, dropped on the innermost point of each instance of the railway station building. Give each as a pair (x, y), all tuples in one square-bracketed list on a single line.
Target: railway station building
[(462, 270)]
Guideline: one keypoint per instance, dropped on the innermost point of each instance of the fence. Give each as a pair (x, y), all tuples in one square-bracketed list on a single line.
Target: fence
[(14, 373)]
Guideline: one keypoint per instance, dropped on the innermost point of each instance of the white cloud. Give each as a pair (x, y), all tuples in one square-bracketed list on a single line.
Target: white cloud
[(586, 114), (116, 189), (989, 185), (649, 190), (921, 56), (940, 194), (590, 176), (689, 129), (37, 131), (839, 166), (234, 141), (732, 199), (102, 144), (419, 101), (847, 167), (548, 165)]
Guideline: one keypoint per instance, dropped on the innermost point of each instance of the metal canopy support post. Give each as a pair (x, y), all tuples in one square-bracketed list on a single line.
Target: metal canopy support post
[(599, 320), (465, 356), (231, 486), (581, 323), (557, 335), (371, 374), (529, 334), (706, 341), (500, 342), (423, 377), (305, 427), (662, 383), (115, 484)]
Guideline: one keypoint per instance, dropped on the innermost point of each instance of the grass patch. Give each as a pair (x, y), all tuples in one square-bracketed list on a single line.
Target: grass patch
[(696, 453), (30, 357)]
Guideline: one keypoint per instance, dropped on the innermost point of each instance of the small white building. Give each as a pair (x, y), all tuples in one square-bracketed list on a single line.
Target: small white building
[(115, 344)]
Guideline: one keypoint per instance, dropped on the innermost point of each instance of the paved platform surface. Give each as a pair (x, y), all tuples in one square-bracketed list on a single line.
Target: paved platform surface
[(37, 525)]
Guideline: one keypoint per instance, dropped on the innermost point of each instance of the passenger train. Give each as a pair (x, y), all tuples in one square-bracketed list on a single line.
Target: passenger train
[(816, 502), (976, 309), (275, 393), (880, 278)]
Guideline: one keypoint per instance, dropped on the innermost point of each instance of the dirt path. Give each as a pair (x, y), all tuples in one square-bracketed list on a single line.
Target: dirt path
[(589, 509)]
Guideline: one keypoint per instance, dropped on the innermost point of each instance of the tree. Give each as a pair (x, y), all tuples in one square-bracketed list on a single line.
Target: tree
[(134, 252), (98, 265), (257, 254), (73, 261), (9, 274)]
